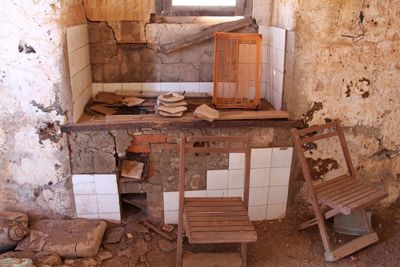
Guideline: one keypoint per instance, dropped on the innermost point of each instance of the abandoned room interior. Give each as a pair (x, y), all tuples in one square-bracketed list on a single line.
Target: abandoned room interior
[(200, 133)]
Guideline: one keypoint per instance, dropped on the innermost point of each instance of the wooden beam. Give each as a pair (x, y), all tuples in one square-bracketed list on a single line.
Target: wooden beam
[(205, 34)]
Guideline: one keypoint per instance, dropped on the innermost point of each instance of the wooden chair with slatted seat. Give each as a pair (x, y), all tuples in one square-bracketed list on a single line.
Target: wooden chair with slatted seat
[(212, 220), (345, 194)]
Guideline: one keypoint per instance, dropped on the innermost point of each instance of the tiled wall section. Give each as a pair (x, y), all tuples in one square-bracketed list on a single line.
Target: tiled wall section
[(274, 45), (79, 68), (269, 184), (203, 87), (96, 196)]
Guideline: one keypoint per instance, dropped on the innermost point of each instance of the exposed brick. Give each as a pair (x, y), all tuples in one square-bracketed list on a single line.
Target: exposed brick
[(149, 139), (139, 148)]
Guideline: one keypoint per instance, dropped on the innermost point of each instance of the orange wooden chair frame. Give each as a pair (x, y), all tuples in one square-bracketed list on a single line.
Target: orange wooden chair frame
[(345, 194)]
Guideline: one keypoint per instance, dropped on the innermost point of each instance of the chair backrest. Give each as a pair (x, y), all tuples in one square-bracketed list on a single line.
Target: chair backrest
[(233, 144), (315, 133)]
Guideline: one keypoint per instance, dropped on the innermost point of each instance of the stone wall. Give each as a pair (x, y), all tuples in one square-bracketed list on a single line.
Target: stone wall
[(99, 152), (34, 96), (329, 75)]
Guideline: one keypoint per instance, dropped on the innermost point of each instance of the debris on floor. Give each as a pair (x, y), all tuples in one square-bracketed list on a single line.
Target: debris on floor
[(13, 228), (206, 113)]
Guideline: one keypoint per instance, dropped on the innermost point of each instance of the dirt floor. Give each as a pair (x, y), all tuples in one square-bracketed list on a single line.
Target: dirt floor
[(279, 244)]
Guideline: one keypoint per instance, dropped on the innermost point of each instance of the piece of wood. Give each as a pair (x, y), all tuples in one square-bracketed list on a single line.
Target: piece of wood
[(205, 34), (102, 109), (351, 247), (222, 237), (158, 231), (108, 98), (253, 115), (132, 169)]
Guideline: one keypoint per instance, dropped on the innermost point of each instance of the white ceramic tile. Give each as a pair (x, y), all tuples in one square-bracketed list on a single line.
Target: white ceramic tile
[(280, 176), (96, 88), (235, 193), (266, 33), (115, 216), (277, 194), (261, 157), (236, 179), (236, 161), (81, 81), (282, 157), (258, 196), (77, 36), (112, 87), (264, 88), (265, 54), (106, 183), (207, 88), (83, 184), (258, 213), (190, 87), (264, 73), (196, 193), (259, 177), (151, 86), (278, 81), (278, 38), (86, 204), (217, 179), (108, 203), (278, 59), (77, 61), (170, 87), (171, 217), (87, 215), (132, 86), (217, 193), (276, 211), (276, 100), (171, 200), (79, 104)]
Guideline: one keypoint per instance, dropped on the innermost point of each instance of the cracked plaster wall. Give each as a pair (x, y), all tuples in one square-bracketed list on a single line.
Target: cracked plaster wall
[(329, 76), (34, 97)]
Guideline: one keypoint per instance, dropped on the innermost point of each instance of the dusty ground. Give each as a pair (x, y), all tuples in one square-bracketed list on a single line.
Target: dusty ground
[(279, 244)]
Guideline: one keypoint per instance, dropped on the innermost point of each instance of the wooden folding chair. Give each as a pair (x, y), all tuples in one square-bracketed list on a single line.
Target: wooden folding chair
[(215, 219), (344, 194)]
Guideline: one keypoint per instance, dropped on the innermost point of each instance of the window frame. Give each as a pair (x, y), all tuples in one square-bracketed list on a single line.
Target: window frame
[(238, 10)]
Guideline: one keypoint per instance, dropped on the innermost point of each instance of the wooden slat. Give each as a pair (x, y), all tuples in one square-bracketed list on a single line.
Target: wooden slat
[(222, 228), (222, 237), (314, 129), (350, 193), (216, 218), (333, 180), (360, 197), (220, 223), (216, 214), (253, 115), (318, 137), (215, 209), (213, 204), (351, 247), (212, 199), (338, 188)]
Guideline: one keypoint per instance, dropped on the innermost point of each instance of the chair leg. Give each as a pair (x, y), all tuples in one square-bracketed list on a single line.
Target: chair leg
[(243, 252), (322, 228), (179, 248)]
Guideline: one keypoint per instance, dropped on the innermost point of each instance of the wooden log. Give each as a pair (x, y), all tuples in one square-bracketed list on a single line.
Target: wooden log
[(205, 34), (158, 231)]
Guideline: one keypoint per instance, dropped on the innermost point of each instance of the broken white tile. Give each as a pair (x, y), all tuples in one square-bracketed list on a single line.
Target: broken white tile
[(196, 193), (96, 88), (132, 86), (170, 87), (171, 217), (280, 176), (258, 196), (171, 200), (276, 211), (115, 216), (261, 157), (278, 38), (282, 157), (236, 161), (258, 213), (207, 88), (86, 204), (87, 215), (151, 86), (106, 183), (190, 87), (217, 179), (236, 179), (112, 87), (235, 193), (108, 203), (277, 194), (83, 184), (259, 177)]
